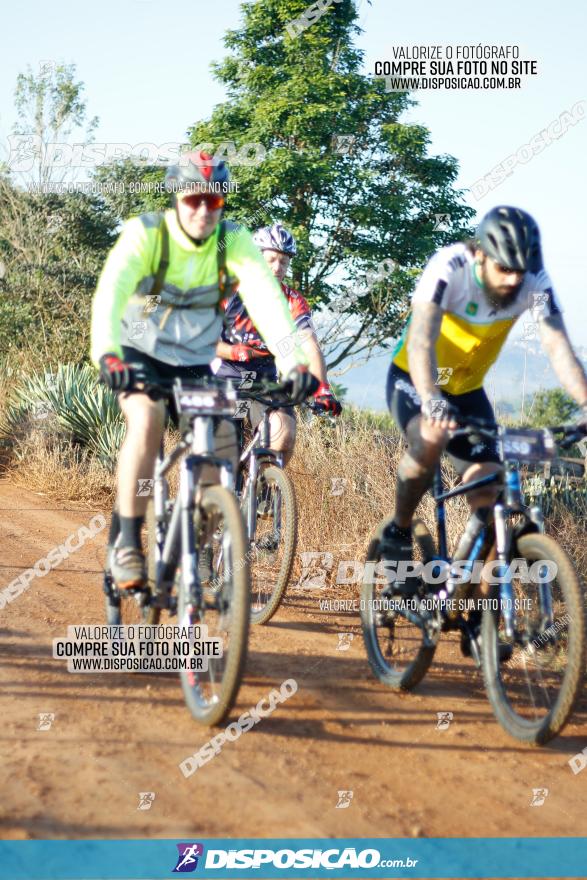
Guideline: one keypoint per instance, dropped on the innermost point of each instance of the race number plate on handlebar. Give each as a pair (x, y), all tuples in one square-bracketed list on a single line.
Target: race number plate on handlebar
[(205, 402), (526, 444)]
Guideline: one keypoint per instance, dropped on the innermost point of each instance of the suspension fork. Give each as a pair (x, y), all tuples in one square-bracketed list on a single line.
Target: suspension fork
[(188, 481), (503, 542), (251, 511), (160, 507)]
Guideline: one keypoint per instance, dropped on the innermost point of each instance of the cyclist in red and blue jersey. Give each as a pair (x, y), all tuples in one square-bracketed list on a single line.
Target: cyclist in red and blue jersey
[(241, 350)]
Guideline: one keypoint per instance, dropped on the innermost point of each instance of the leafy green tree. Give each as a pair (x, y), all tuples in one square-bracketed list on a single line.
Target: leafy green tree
[(551, 407), (49, 107), (53, 247), (52, 244), (129, 188), (357, 186)]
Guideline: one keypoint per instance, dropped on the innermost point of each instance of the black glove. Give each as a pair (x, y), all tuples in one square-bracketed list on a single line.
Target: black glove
[(301, 384), (118, 375)]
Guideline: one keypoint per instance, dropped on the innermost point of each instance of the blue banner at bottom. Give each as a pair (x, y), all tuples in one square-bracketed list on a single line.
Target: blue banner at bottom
[(288, 857)]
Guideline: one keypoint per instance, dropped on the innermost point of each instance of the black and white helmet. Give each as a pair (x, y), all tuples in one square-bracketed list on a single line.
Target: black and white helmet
[(275, 238), (511, 237)]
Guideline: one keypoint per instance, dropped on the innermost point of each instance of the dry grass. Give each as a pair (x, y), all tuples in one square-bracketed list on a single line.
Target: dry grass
[(344, 479), (60, 471), (345, 485)]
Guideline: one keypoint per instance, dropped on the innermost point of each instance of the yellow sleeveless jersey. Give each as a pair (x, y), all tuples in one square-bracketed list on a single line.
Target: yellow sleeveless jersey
[(472, 331)]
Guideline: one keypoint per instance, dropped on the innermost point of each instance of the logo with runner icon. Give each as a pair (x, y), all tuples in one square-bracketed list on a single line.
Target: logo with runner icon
[(187, 860), (539, 795), (344, 800)]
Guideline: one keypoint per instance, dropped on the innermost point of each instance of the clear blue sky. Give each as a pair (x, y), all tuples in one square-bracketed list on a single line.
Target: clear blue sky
[(146, 70)]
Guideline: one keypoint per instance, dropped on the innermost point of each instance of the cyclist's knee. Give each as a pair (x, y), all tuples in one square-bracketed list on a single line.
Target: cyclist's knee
[(411, 468), (426, 443), (487, 496), (145, 420), (226, 443), (283, 431), (421, 457)]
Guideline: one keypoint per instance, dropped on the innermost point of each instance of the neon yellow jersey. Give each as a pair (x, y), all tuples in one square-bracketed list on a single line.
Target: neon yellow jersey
[(472, 331), (183, 324)]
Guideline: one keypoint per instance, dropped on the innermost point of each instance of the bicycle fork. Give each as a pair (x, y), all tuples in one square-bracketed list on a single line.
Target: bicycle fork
[(251, 495)]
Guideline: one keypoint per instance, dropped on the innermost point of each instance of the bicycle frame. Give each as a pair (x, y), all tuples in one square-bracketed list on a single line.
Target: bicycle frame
[(511, 501), (258, 449), (179, 532)]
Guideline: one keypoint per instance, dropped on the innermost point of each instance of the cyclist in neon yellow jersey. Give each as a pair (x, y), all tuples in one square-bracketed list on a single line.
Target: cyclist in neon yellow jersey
[(156, 315), (466, 302)]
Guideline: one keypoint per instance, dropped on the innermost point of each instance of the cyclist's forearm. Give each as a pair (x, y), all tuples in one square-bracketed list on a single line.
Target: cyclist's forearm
[(571, 375), (565, 363), (223, 350), (317, 364), (272, 319), (423, 371), (105, 339)]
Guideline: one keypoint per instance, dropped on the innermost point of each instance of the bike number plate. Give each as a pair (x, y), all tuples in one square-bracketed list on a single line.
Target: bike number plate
[(205, 402), (527, 444)]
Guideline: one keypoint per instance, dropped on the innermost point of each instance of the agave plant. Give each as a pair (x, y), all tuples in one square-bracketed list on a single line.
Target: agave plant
[(84, 411)]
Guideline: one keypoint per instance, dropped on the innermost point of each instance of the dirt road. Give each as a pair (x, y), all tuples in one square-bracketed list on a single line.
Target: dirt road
[(114, 736)]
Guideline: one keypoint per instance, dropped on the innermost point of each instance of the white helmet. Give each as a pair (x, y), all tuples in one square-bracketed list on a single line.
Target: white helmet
[(275, 238)]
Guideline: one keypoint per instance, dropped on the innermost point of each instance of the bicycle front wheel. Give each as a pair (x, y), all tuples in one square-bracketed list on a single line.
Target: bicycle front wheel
[(398, 651), (224, 574), (274, 542), (533, 693)]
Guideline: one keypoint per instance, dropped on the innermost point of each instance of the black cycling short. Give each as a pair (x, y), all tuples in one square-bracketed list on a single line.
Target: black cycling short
[(154, 371), (404, 403)]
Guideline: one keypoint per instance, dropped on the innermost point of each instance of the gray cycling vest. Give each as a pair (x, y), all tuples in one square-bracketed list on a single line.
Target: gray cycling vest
[(178, 327)]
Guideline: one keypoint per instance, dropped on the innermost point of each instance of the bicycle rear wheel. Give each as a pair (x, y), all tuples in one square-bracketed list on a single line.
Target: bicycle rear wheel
[(211, 693), (398, 651), (273, 543), (533, 694)]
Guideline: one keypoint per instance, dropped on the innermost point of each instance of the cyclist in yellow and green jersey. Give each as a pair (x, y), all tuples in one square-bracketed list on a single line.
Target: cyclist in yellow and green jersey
[(466, 302)]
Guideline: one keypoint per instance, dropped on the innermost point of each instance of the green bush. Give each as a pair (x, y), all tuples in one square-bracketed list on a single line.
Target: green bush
[(69, 402)]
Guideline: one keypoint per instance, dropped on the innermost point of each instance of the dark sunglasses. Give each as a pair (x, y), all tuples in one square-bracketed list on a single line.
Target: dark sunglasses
[(194, 200)]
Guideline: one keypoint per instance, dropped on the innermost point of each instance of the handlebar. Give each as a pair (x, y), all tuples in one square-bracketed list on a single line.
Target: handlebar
[(164, 388), (470, 425), (269, 393), (273, 395), (571, 434)]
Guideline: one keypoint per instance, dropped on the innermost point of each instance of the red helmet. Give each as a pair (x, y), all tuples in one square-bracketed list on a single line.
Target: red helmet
[(199, 171)]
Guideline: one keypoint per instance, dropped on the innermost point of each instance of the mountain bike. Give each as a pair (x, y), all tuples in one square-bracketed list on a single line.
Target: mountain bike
[(196, 550), (532, 651), (268, 502)]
